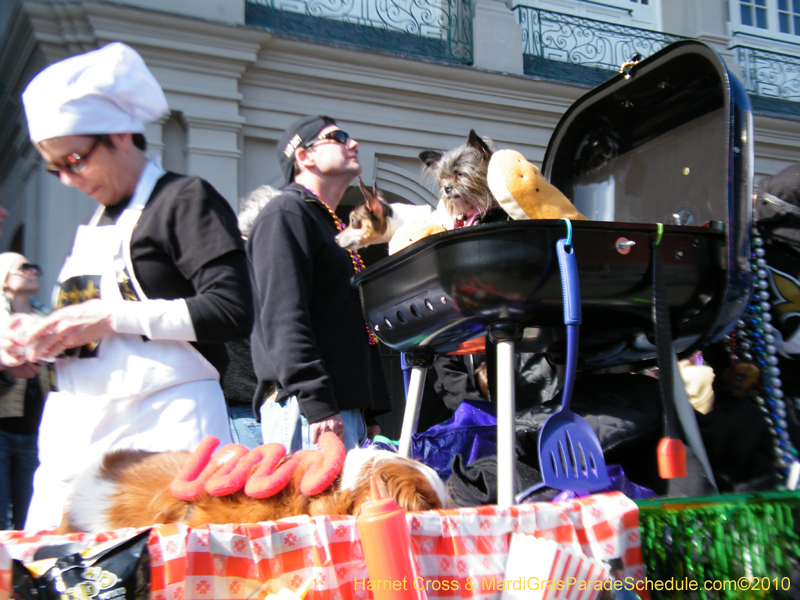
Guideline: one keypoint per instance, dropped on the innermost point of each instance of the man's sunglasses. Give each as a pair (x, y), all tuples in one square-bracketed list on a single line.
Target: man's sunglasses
[(75, 163), (29, 269), (337, 135)]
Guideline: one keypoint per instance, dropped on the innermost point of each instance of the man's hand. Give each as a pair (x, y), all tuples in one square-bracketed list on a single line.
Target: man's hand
[(373, 430), (334, 424), (69, 327)]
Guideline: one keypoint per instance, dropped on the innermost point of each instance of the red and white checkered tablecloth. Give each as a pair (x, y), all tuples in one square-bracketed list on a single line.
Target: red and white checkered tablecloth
[(459, 553)]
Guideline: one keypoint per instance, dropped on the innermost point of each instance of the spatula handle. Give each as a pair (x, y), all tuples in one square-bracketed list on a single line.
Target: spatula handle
[(570, 286), (571, 293)]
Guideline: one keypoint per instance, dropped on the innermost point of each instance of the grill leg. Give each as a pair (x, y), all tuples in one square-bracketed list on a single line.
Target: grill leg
[(505, 337), (418, 364)]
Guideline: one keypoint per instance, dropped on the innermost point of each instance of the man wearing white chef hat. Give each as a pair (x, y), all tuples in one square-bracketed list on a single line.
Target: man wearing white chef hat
[(153, 286)]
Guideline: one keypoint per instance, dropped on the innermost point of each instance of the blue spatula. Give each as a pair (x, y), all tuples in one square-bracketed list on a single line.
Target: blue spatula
[(570, 456)]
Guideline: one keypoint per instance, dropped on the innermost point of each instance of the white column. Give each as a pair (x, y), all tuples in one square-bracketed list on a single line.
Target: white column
[(496, 38), (154, 134), (212, 153)]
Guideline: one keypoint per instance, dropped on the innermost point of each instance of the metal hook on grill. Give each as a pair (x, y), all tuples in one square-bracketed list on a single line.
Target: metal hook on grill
[(659, 233), (626, 67), (568, 243)]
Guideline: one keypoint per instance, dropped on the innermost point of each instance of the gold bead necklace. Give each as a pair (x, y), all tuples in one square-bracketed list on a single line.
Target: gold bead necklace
[(355, 258)]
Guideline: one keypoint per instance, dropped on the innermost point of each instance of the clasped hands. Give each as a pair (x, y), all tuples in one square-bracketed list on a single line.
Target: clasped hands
[(28, 339)]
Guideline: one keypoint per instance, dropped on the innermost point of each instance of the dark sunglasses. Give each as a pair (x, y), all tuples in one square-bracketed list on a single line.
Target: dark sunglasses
[(29, 269), (75, 163), (338, 136)]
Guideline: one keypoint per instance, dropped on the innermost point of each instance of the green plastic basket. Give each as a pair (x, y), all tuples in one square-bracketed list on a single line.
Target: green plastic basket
[(732, 546)]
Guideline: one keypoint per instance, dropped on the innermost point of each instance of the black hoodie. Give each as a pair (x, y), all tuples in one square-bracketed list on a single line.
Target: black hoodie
[(310, 337)]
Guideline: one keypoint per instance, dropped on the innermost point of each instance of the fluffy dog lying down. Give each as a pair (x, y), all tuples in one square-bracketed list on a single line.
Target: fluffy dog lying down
[(131, 488)]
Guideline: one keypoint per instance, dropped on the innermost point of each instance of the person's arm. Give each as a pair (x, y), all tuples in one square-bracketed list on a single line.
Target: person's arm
[(281, 249), (9, 348), (7, 358), (69, 327), (197, 230), (221, 310)]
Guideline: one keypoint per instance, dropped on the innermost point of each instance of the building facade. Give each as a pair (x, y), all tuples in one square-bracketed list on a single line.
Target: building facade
[(400, 77)]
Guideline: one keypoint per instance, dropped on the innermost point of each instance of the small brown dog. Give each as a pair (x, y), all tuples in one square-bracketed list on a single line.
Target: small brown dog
[(375, 221), (131, 488)]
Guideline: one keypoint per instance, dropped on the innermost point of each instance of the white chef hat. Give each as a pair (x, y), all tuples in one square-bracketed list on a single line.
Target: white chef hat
[(109, 90)]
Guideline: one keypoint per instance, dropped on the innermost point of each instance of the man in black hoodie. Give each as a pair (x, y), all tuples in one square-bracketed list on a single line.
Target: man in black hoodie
[(317, 363)]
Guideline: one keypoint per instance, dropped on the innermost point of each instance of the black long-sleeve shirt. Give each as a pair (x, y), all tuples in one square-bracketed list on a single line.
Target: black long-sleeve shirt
[(187, 244)]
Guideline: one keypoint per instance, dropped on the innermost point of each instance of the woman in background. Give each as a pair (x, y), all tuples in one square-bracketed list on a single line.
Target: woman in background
[(22, 403)]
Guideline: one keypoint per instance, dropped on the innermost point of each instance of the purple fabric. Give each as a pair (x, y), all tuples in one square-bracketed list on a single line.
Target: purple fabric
[(470, 432), (619, 483)]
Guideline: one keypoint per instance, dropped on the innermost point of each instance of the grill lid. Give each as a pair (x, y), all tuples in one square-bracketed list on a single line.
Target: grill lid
[(669, 143)]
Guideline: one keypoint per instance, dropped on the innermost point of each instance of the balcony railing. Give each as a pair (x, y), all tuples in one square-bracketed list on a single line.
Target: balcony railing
[(440, 29), (556, 46), (578, 50), (771, 79)]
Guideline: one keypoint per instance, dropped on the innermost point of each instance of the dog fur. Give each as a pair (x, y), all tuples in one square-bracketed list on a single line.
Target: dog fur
[(130, 488), (461, 176), (375, 221)]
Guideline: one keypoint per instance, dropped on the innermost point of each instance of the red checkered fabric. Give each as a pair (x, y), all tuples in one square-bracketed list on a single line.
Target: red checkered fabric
[(240, 562)]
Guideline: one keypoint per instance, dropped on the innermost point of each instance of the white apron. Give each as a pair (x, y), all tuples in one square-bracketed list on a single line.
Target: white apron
[(151, 395)]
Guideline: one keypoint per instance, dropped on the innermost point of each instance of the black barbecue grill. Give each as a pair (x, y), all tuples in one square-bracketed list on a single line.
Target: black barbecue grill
[(668, 141)]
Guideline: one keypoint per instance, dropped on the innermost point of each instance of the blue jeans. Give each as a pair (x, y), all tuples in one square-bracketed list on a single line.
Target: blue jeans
[(282, 422), (18, 461), (245, 430)]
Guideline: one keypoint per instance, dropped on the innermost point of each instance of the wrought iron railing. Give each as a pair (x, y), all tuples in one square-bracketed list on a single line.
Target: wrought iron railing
[(772, 81), (440, 29), (580, 50), (770, 75), (556, 46)]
